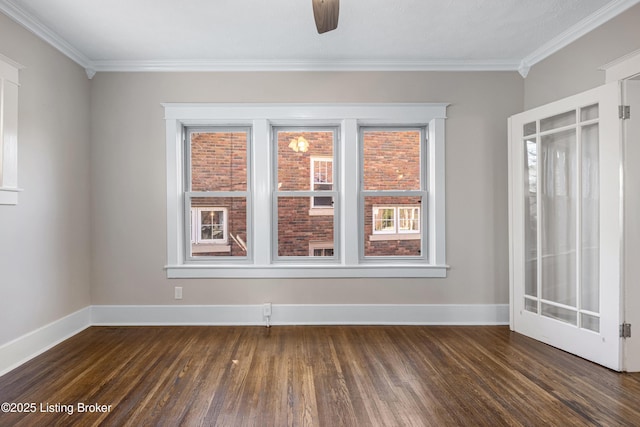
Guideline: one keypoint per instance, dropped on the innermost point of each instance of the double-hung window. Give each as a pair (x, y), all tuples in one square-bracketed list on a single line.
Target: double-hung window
[(216, 195), (304, 190)]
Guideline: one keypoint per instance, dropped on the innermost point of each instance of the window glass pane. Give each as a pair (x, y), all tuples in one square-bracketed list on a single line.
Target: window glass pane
[(558, 121), (391, 159), (218, 226), (219, 160), (305, 160), (392, 226), (297, 230)]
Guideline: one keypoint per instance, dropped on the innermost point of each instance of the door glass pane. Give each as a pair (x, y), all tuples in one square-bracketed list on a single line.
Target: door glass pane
[(557, 186), (298, 231), (392, 226), (530, 305), (391, 159), (219, 161), (590, 289), (590, 322), (529, 129), (589, 113), (531, 217), (558, 121), (560, 313)]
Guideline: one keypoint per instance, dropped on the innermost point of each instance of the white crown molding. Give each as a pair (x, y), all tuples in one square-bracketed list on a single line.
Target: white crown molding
[(588, 24), (27, 20), (522, 65), (305, 65)]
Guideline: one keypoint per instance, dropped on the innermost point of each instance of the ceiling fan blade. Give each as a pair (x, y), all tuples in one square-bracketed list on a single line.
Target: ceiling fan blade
[(326, 14)]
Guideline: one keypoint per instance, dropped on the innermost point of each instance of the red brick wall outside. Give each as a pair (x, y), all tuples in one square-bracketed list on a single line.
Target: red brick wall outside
[(391, 159), (219, 161)]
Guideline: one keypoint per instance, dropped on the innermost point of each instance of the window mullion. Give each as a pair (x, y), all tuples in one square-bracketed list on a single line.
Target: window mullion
[(262, 171), (349, 198)]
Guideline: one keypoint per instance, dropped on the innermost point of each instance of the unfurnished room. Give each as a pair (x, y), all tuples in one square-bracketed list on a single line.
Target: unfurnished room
[(320, 213)]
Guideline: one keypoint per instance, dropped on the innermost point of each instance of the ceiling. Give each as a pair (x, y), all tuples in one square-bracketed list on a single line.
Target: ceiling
[(130, 35)]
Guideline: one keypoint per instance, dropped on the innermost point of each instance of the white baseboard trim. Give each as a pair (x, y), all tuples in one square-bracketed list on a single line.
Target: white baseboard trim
[(24, 348), (304, 314)]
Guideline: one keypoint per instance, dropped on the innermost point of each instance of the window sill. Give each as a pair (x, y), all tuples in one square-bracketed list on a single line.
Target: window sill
[(306, 271), (394, 236), (321, 212), (210, 248), (9, 196)]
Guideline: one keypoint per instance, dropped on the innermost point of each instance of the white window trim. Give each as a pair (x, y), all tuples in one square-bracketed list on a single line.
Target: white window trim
[(349, 117), (9, 83)]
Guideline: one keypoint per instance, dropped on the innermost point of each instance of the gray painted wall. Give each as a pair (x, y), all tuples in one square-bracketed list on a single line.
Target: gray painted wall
[(44, 240), (128, 184), (575, 68)]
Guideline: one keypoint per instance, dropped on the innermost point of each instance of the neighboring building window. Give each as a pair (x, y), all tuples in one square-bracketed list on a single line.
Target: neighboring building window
[(303, 190), (321, 179), (321, 249), (396, 219), (210, 225)]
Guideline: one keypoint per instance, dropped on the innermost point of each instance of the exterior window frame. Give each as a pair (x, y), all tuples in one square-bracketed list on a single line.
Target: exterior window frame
[(261, 119)]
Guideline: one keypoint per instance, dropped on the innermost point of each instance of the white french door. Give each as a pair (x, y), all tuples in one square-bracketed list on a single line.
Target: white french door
[(565, 224)]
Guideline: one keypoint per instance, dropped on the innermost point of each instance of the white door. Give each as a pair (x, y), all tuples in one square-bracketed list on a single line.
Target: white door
[(565, 224)]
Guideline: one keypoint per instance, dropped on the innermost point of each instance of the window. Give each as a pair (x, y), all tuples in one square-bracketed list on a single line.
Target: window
[(301, 190), (396, 220), (304, 209), (216, 192), (8, 131), (321, 249), (393, 187), (321, 179)]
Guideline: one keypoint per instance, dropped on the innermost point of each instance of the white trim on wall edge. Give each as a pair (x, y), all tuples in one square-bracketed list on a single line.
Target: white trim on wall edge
[(303, 314), (24, 348), (28, 346)]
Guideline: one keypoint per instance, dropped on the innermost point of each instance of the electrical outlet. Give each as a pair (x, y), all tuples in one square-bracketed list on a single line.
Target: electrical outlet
[(177, 292), (266, 309)]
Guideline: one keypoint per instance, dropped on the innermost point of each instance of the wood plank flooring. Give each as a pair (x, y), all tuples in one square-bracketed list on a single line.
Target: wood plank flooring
[(315, 376)]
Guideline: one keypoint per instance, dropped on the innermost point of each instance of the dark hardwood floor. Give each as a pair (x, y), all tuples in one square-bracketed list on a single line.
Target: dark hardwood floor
[(308, 375)]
